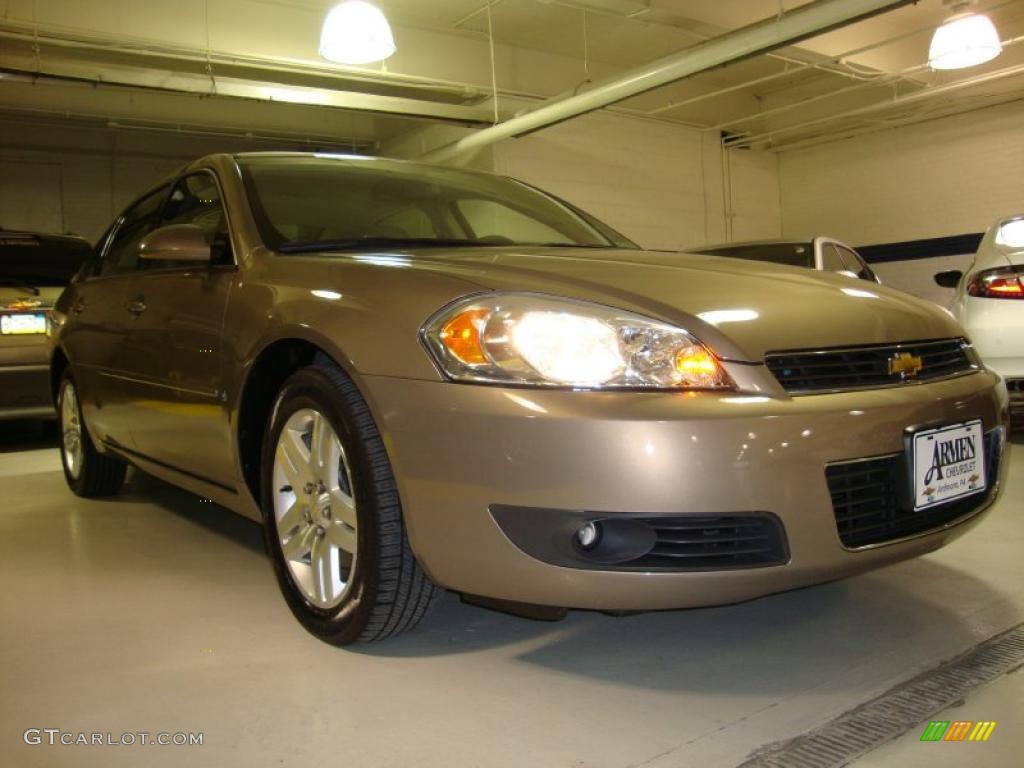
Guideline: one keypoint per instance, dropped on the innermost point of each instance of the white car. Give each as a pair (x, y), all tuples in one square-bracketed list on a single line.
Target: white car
[(989, 303)]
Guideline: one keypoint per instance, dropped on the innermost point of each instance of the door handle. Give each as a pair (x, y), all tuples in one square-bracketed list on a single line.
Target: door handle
[(137, 306), (78, 307)]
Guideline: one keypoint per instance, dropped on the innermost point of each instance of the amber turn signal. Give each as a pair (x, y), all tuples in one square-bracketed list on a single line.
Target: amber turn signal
[(694, 361), (461, 335)]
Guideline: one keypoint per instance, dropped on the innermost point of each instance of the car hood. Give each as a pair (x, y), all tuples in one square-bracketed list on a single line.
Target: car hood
[(742, 309)]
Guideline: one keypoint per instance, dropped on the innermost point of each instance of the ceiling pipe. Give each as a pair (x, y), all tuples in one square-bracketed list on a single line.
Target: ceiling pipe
[(807, 21)]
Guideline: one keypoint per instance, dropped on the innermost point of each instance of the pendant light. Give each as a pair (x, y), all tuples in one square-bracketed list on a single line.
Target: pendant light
[(965, 39), (356, 32)]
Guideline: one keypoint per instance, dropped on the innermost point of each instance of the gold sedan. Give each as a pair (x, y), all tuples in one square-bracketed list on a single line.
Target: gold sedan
[(420, 378)]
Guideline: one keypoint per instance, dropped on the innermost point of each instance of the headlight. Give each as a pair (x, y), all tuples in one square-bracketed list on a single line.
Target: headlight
[(551, 342)]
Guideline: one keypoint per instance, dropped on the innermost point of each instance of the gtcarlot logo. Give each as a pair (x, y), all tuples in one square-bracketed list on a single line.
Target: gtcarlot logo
[(55, 737)]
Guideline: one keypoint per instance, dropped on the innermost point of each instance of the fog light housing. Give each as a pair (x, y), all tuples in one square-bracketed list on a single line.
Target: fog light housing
[(588, 536)]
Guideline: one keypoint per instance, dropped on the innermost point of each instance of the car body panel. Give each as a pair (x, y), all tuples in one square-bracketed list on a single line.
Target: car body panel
[(173, 370), (460, 449), (153, 395)]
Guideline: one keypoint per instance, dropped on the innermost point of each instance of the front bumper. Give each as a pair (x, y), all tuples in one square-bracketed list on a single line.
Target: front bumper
[(25, 392), (461, 450), (25, 378)]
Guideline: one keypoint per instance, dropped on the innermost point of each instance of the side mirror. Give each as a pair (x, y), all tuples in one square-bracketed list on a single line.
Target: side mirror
[(950, 279), (848, 273), (176, 242)]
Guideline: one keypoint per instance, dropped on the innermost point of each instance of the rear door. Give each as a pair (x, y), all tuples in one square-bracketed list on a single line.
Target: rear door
[(99, 320), (174, 346)]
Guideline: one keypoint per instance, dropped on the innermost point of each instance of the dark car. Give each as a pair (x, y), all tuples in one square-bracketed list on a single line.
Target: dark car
[(821, 253), (34, 269)]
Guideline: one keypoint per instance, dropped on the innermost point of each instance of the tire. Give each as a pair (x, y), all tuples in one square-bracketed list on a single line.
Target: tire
[(89, 473), (322, 450)]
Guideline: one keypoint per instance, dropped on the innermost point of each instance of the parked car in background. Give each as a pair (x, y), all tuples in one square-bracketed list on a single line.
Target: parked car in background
[(821, 253), (989, 302), (34, 269), (421, 377)]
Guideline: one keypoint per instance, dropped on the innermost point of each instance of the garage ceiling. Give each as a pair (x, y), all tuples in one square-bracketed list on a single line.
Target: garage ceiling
[(250, 67)]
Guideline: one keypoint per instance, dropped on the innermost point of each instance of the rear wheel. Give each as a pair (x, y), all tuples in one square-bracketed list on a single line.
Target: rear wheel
[(332, 519), (88, 472)]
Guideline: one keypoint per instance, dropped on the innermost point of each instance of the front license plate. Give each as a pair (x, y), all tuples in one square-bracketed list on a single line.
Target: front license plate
[(17, 325), (949, 463)]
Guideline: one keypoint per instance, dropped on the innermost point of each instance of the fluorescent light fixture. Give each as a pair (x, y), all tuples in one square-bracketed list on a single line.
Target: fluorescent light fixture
[(356, 32), (964, 40)]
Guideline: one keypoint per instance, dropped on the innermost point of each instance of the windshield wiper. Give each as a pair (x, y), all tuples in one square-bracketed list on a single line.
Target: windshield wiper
[(363, 243), (16, 283)]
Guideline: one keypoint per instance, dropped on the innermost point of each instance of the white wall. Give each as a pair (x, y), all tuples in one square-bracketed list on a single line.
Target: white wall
[(943, 177), (666, 186), (75, 179), (659, 184)]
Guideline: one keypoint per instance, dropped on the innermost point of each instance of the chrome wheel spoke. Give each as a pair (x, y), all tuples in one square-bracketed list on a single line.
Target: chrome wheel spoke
[(321, 445), (299, 544), (324, 563), (294, 460), (343, 507), (341, 536), (294, 518)]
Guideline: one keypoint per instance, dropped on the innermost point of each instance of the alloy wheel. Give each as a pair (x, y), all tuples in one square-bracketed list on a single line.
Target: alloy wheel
[(315, 508), (71, 430)]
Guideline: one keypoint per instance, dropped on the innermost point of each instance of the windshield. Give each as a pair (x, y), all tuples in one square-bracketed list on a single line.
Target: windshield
[(790, 254), (33, 260), (336, 203)]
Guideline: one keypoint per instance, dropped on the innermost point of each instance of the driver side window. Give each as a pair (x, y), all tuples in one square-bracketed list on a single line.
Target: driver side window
[(196, 200)]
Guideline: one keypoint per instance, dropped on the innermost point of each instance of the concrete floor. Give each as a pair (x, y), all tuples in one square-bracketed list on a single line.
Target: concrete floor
[(157, 612)]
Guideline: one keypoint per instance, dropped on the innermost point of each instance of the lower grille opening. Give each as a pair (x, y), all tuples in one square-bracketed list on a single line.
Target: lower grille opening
[(872, 500), (627, 542), (1016, 388), (714, 542)]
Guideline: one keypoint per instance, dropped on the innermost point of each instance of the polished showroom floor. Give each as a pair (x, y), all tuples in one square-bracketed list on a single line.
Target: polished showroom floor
[(155, 612)]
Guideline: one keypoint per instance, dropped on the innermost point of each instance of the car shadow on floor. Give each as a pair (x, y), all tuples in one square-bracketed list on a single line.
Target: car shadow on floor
[(141, 487), (809, 630), (771, 645), (27, 435)]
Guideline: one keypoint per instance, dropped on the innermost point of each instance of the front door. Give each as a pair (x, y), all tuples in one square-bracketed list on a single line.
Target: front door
[(174, 350)]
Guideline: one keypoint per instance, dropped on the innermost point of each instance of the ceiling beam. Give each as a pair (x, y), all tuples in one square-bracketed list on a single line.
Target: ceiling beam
[(812, 19)]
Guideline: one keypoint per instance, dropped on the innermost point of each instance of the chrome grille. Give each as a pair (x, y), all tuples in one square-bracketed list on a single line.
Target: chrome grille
[(805, 371)]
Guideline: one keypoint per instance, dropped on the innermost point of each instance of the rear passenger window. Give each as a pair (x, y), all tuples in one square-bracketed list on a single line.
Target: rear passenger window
[(122, 254), (856, 264), (831, 261)]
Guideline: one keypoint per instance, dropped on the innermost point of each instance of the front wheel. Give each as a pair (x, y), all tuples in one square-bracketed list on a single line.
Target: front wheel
[(332, 519), (88, 472)]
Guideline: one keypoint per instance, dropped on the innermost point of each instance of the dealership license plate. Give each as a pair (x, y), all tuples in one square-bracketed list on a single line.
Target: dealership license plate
[(16, 325), (949, 463)]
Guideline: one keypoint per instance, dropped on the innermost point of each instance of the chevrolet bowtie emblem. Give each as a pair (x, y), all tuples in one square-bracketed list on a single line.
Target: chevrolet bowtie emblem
[(906, 365)]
